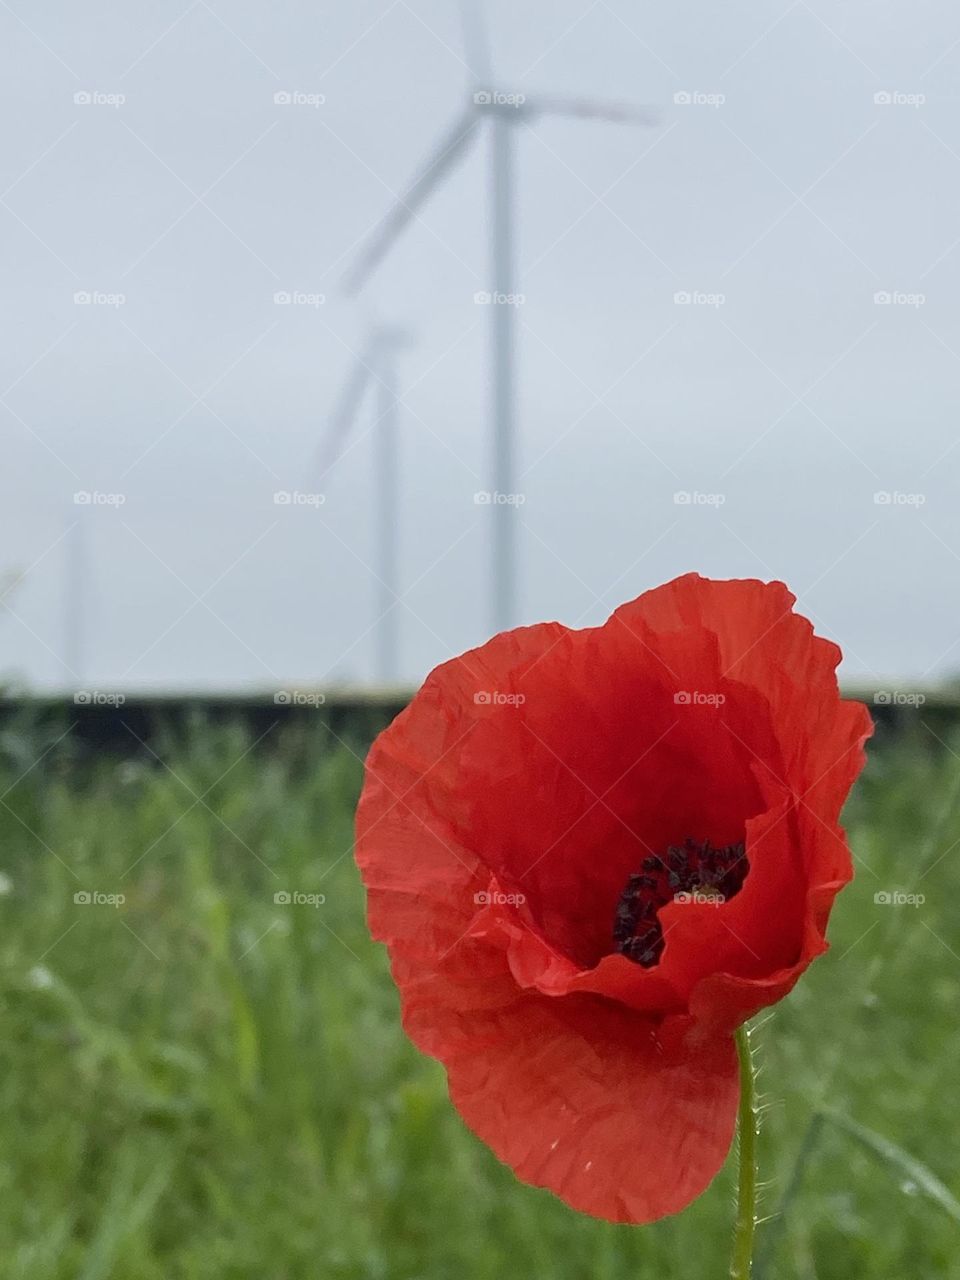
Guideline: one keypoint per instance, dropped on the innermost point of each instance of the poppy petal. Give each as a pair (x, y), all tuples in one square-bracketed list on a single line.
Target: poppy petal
[(585, 1101)]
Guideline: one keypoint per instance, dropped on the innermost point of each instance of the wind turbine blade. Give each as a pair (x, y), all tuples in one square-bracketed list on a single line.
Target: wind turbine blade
[(587, 109), (345, 413), (452, 147), (476, 45)]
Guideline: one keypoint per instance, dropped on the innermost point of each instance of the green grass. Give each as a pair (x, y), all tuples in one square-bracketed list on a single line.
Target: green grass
[(201, 1083)]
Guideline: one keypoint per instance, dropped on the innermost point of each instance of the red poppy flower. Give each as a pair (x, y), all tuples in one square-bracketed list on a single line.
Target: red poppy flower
[(592, 855)]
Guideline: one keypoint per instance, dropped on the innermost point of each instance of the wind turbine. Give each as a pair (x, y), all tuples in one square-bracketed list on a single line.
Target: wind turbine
[(376, 365), (504, 113)]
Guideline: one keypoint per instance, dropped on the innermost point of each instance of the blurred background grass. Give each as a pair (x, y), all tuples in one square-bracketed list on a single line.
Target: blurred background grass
[(204, 1082)]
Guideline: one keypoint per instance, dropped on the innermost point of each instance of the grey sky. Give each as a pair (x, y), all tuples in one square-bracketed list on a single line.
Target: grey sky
[(798, 197)]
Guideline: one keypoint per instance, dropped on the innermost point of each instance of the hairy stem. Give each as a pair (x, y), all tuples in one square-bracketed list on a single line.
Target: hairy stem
[(741, 1262)]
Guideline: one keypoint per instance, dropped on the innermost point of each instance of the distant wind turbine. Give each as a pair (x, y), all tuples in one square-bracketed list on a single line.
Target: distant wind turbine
[(376, 366), (504, 113)]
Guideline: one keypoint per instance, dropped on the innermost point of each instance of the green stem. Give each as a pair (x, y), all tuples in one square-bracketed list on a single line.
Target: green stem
[(741, 1262)]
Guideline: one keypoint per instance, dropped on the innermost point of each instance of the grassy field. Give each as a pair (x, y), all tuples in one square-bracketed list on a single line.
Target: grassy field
[(202, 1082)]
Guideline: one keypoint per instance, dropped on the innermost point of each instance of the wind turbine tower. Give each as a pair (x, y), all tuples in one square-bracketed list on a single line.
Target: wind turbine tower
[(376, 366)]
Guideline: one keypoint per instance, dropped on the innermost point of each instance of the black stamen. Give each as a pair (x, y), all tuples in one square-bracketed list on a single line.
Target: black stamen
[(694, 866)]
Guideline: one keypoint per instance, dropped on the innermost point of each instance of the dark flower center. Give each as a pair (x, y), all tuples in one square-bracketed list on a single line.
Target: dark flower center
[(692, 872)]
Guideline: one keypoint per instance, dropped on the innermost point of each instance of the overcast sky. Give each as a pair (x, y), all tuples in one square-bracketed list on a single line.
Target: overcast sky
[(147, 164)]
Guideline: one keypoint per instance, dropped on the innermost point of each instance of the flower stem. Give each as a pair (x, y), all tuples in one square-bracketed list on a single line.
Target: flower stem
[(741, 1262)]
